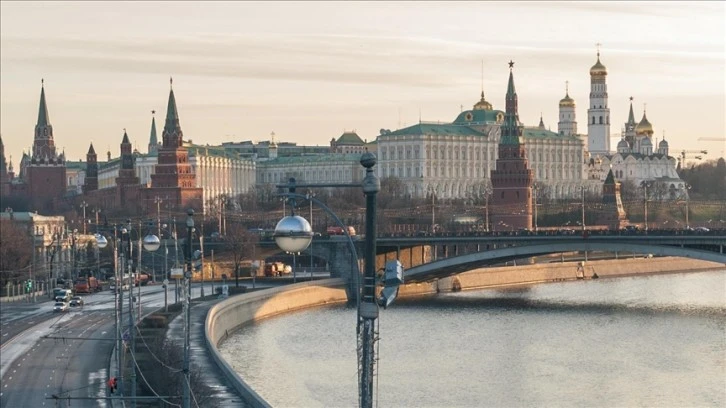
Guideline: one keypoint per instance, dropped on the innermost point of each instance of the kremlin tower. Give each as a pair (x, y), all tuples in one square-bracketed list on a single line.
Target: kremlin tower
[(512, 179), (46, 171), (173, 176)]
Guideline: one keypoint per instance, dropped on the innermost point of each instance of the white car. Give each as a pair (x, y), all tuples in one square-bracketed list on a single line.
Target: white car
[(60, 307)]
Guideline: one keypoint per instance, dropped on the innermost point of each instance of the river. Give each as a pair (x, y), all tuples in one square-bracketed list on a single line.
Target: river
[(654, 341)]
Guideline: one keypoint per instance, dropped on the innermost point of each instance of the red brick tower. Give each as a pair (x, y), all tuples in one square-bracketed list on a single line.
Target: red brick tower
[(173, 176), (612, 214), (46, 172), (91, 181), (126, 172), (512, 179)]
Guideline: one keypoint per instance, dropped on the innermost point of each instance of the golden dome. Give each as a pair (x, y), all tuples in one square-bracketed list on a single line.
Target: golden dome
[(598, 68), (483, 104), (644, 126), (567, 102)]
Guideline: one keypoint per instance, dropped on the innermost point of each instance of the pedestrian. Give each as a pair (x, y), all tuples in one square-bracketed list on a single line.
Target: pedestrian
[(112, 384)]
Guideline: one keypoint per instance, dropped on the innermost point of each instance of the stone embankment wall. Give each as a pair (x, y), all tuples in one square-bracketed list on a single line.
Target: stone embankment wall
[(558, 272), (238, 311), (227, 316)]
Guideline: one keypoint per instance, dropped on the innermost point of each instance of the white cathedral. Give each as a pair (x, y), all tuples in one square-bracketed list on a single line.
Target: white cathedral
[(636, 159)]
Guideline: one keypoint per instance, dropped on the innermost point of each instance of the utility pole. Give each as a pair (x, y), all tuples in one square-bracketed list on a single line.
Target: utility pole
[(186, 396)]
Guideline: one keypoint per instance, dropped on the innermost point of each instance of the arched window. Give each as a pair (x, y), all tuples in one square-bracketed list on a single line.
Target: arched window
[(601, 120), (593, 120)]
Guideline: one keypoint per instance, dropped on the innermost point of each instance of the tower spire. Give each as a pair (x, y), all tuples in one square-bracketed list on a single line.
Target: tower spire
[(631, 116), (567, 89), (511, 128), (153, 141), (43, 119)]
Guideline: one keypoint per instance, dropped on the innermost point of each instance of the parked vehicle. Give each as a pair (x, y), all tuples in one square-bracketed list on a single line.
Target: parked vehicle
[(76, 301), (87, 285), (339, 230), (62, 294), (141, 279), (275, 269), (60, 307)]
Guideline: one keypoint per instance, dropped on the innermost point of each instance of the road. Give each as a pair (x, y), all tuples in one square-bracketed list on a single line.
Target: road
[(64, 354)]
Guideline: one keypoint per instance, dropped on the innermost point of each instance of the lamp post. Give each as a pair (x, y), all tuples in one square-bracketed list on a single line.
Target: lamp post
[(102, 242), (534, 191), (293, 234), (186, 395), (84, 204), (645, 205), (688, 198), (583, 209)]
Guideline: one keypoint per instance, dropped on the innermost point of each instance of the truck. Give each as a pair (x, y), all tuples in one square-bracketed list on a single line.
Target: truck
[(141, 279), (87, 285)]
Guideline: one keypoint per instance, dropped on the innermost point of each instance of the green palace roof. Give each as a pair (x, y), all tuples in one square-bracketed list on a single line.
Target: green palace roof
[(431, 129), (478, 116), (318, 158)]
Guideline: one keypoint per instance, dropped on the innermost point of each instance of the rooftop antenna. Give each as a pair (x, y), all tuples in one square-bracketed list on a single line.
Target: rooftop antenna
[(482, 76)]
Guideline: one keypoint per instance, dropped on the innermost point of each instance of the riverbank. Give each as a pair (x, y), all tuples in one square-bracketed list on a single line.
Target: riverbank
[(483, 278)]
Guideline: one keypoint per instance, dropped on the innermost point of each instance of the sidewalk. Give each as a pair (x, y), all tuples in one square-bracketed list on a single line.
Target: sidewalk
[(225, 396)]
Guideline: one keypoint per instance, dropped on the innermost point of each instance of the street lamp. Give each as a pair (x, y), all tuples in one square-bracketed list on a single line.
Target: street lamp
[(534, 191), (102, 242), (583, 209), (294, 234), (688, 198), (645, 205), (84, 204), (186, 395)]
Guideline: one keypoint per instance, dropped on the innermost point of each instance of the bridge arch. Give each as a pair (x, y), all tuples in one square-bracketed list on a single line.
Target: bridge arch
[(458, 264)]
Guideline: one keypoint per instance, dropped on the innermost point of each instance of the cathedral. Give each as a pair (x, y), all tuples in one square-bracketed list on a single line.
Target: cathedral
[(638, 158)]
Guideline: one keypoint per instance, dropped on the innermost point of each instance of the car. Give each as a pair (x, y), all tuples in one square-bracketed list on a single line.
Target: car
[(701, 229), (60, 307), (77, 301)]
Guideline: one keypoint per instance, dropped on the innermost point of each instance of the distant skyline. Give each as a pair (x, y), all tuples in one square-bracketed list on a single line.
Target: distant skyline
[(311, 70)]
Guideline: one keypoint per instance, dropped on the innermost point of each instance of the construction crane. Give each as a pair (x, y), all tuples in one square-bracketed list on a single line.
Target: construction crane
[(687, 154)]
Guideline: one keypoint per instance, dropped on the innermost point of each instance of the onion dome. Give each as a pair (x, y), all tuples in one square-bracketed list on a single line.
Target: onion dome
[(646, 142), (567, 102), (663, 144), (598, 68), (644, 127)]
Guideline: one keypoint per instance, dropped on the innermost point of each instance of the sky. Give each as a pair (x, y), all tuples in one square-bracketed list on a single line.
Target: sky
[(308, 71)]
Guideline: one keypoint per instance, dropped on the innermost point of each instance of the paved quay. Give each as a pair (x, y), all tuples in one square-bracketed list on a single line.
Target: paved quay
[(224, 394)]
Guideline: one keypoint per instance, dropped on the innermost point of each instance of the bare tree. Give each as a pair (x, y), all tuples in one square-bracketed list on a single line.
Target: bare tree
[(15, 251), (240, 242)]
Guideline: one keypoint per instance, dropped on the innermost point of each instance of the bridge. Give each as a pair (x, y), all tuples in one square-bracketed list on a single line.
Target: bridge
[(429, 257)]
